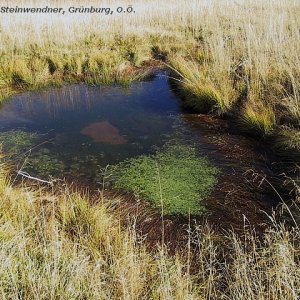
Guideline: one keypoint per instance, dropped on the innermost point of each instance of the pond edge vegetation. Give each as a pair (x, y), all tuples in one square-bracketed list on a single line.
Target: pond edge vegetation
[(62, 245), (202, 86)]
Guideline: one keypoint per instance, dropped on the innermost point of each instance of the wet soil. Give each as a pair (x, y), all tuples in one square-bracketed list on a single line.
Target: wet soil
[(245, 195)]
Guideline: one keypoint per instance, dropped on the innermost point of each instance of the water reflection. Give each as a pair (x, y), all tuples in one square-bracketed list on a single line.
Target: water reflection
[(82, 129), (90, 127)]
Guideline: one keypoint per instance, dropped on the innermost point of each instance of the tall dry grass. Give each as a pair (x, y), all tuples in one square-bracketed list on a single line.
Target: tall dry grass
[(248, 55), (60, 245), (238, 57), (244, 55)]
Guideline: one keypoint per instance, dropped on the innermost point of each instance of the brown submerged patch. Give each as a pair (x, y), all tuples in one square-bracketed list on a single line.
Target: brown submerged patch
[(104, 132)]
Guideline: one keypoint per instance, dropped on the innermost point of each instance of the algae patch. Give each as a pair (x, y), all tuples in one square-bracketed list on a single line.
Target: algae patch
[(175, 179)]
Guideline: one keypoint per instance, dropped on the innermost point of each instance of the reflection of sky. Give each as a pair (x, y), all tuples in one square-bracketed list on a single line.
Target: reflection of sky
[(13, 115), (54, 102), (144, 110)]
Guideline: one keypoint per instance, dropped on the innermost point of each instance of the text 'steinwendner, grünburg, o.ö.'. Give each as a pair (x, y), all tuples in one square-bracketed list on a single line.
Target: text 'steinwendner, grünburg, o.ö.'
[(55, 10)]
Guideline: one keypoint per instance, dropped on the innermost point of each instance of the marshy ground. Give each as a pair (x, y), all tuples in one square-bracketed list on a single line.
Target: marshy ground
[(200, 200)]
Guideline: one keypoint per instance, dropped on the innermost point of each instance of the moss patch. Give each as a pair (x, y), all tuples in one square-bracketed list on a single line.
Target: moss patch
[(175, 179)]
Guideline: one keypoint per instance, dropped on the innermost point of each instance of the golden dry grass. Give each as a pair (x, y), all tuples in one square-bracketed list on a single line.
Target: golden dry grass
[(62, 246), (243, 56)]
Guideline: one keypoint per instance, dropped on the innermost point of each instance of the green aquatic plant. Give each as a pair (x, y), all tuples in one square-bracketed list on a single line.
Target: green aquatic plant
[(18, 141), (175, 179), (45, 163), (35, 159)]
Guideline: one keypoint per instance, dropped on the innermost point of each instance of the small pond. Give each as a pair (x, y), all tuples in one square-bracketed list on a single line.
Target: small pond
[(75, 131), (83, 128)]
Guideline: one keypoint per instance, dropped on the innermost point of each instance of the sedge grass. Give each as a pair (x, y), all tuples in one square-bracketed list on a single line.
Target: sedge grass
[(226, 52), (244, 55), (60, 245)]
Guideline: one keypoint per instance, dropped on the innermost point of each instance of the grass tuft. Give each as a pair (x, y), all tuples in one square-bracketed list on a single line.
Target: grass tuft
[(259, 119), (200, 90), (63, 246)]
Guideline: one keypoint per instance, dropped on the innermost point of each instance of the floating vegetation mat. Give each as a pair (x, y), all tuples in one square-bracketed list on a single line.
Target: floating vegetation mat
[(175, 179)]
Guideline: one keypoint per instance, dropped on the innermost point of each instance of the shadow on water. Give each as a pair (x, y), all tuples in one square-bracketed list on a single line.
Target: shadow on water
[(81, 129)]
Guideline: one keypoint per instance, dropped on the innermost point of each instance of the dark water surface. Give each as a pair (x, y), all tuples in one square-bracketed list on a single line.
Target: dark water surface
[(86, 127)]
